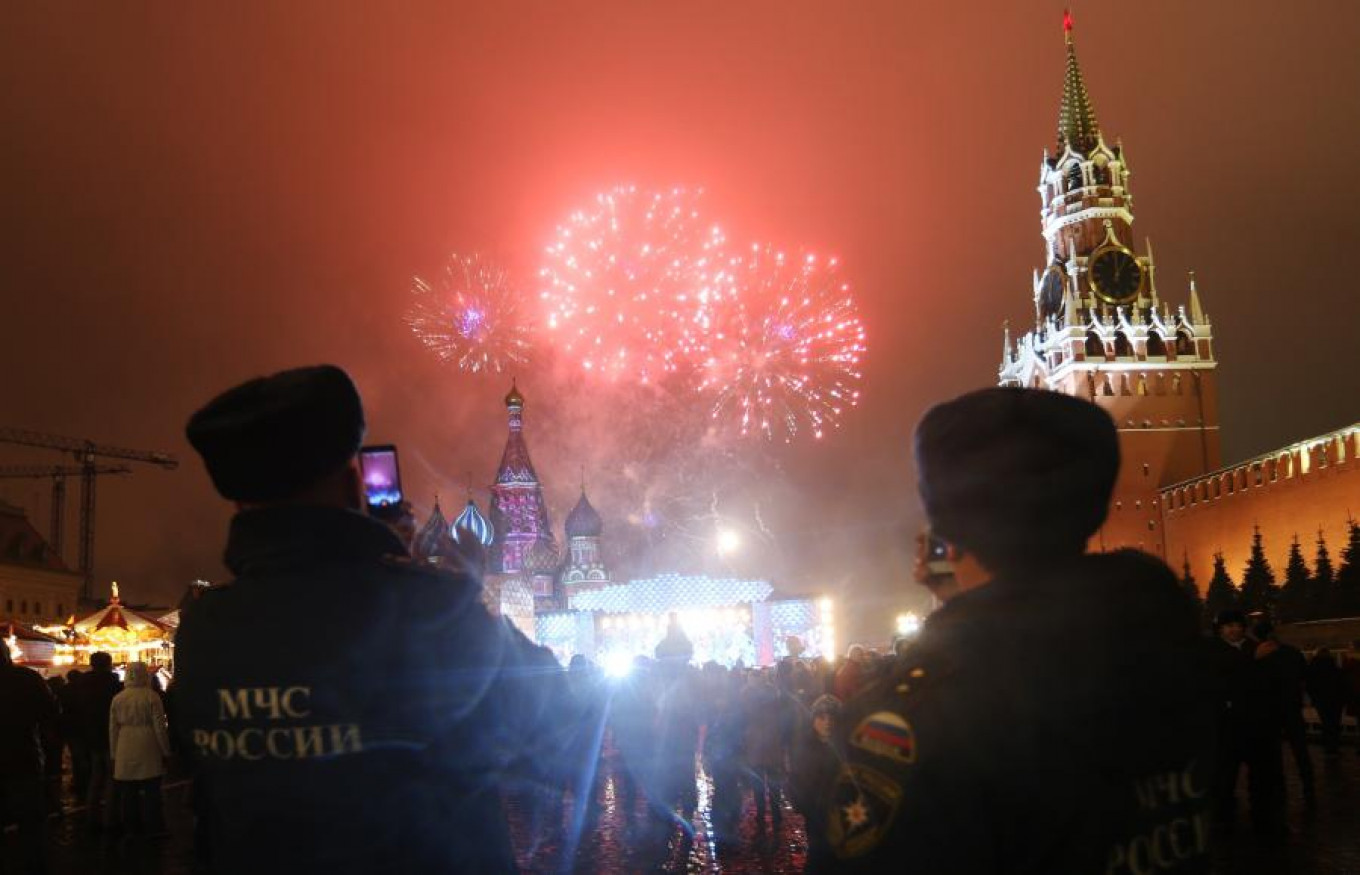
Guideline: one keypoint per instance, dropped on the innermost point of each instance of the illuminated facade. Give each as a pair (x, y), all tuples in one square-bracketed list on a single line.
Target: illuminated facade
[(727, 620), (523, 545), (1103, 332)]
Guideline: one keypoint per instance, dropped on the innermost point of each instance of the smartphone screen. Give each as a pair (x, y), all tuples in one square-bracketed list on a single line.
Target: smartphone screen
[(382, 477), (937, 556), (936, 549)]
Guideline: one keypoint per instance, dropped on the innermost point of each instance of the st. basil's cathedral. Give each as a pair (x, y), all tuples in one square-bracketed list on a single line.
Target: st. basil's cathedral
[(528, 573), (567, 600)]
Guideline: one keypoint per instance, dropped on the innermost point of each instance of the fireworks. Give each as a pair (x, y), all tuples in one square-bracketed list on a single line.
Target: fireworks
[(472, 317), (626, 285), (786, 356), (640, 289)]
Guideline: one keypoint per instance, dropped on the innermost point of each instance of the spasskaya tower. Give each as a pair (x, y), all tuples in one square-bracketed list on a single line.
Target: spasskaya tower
[(1103, 332)]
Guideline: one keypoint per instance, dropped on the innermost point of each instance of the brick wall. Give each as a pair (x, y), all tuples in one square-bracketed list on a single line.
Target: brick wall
[(1296, 490)]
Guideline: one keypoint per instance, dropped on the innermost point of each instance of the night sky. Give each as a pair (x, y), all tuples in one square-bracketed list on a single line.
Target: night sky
[(199, 193)]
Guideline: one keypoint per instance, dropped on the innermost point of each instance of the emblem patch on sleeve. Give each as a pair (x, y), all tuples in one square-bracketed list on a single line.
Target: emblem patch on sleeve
[(886, 735), (864, 805)]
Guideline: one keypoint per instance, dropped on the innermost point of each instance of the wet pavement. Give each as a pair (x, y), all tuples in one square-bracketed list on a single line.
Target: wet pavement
[(1323, 842)]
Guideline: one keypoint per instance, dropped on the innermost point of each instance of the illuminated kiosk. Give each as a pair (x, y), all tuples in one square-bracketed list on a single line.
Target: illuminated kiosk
[(29, 647), (727, 620), (119, 631)]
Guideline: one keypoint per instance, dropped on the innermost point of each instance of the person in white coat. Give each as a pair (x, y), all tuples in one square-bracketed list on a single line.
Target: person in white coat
[(140, 744)]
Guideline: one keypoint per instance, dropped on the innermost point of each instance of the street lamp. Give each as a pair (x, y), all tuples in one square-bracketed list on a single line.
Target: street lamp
[(908, 624), (728, 541)]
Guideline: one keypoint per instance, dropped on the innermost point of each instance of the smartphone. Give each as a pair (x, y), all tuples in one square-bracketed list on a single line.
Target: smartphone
[(937, 556), (382, 477)]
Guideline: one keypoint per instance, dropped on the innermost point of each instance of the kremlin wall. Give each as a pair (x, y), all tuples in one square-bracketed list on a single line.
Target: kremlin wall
[(1307, 490)]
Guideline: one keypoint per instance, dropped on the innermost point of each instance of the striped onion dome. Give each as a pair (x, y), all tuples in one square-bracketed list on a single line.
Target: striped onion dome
[(471, 520)]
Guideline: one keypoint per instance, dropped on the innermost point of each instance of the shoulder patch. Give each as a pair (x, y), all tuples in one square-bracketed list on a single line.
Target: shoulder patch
[(864, 805), (886, 734)]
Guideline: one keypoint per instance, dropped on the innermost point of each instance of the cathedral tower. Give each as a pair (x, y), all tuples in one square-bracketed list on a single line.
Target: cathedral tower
[(585, 566), (1102, 331), (519, 515)]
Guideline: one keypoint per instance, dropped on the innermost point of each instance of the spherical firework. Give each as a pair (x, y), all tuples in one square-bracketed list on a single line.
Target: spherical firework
[(786, 350), (626, 284), (471, 316)]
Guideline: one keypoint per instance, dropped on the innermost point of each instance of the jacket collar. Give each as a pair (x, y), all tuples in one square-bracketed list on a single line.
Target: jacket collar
[(274, 538)]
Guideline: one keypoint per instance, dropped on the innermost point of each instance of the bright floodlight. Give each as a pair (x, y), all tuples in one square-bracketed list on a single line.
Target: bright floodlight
[(908, 624), (728, 541), (618, 664)]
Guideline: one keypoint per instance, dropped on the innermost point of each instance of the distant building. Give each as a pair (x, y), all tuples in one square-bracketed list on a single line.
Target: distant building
[(36, 587), (1103, 332)]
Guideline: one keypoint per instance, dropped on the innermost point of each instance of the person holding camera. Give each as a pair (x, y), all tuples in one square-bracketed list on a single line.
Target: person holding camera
[(346, 709), (1056, 714)]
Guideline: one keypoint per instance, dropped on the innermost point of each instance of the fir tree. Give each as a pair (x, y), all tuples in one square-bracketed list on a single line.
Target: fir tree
[(1321, 598), (1191, 588), (1259, 592), (1348, 575), (1222, 593), (1294, 594)]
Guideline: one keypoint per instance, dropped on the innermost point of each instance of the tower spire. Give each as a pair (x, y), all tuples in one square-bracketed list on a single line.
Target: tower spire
[(1196, 308), (1077, 125)]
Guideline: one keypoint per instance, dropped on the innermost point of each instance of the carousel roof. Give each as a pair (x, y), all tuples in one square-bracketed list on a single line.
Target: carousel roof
[(115, 616)]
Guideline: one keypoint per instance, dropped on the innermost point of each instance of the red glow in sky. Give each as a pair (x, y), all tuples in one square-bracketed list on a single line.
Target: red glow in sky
[(199, 194)]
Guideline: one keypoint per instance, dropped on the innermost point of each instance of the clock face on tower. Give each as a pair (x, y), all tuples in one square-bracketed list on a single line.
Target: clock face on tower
[(1116, 275)]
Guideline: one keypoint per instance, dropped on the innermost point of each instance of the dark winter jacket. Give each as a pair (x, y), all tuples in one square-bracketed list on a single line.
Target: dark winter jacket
[(349, 710), (1060, 722), (94, 696), (27, 710)]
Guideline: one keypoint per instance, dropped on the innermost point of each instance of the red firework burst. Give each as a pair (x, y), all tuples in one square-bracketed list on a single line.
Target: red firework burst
[(627, 285), (471, 316), (786, 351)]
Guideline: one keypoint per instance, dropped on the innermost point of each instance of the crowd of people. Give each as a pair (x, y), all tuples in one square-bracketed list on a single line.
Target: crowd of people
[(1265, 684), (1060, 712), (108, 735)]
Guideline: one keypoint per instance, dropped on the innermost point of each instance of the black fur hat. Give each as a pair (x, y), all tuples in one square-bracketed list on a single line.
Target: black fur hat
[(1016, 475), (272, 436)]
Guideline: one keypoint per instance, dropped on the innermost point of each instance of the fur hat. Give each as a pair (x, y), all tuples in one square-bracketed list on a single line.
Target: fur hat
[(1016, 475), (272, 436)]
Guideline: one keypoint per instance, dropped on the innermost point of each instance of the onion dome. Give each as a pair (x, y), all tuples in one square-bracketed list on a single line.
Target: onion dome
[(584, 521), (513, 398), (471, 520), (433, 538), (541, 559)]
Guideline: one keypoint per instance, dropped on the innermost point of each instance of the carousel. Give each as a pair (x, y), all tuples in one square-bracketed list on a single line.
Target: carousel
[(115, 629)]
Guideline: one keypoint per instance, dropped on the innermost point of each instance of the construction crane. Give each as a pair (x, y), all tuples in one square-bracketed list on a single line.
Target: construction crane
[(57, 474), (85, 452)]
